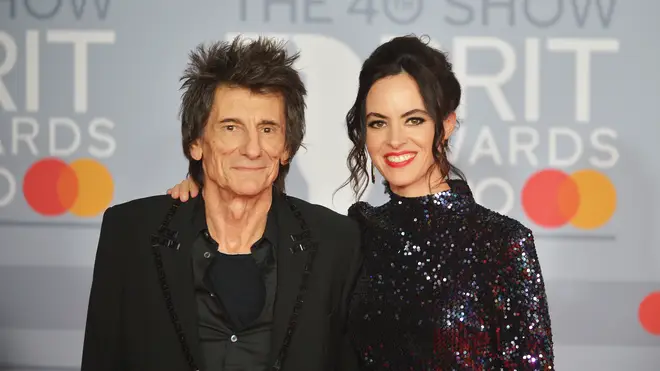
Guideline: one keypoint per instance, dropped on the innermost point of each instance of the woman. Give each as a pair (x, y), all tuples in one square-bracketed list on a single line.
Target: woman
[(447, 283)]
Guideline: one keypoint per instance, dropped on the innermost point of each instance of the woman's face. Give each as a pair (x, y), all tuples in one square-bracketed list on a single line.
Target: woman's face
[(400, 135)]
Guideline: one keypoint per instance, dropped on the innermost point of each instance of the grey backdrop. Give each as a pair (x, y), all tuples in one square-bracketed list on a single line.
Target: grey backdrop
[(574, 81)]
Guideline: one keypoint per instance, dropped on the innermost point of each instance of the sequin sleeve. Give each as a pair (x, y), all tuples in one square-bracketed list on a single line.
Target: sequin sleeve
[(525, 336)]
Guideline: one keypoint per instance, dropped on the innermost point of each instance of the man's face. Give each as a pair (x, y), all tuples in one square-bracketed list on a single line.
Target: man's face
[(243, 143)]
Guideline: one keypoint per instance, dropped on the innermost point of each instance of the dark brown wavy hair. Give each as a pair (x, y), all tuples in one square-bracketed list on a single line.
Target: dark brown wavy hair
[(437, 84)]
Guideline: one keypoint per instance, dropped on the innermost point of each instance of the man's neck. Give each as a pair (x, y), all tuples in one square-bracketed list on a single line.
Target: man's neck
[(236, 222)]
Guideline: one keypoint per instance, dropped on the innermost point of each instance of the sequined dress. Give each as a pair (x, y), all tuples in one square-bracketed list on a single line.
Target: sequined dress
[(448, 285)]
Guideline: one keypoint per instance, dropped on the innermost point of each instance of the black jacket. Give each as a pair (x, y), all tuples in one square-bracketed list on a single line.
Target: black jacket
[(142, 313)]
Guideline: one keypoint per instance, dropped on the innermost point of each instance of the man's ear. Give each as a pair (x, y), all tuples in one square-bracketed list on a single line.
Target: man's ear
[(284, 158), (196, 150)]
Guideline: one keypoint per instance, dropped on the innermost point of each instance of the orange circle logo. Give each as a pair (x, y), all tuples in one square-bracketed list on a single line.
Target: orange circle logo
[(51, 187), (586, 199)]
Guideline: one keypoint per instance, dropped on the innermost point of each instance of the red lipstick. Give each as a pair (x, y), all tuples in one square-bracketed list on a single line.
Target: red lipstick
[(399, 164)]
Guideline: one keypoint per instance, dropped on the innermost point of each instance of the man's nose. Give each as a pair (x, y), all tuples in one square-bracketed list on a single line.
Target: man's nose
[(252, 145)]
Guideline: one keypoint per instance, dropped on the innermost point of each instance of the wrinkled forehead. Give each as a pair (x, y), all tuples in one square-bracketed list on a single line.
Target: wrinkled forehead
[(248, 105)]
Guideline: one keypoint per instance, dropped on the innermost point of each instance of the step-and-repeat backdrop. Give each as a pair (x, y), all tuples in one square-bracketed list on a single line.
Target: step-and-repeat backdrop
[(559, 129)]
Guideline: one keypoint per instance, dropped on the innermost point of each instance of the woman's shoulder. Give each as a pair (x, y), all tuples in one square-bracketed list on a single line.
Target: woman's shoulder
[(500, 225), (358, 209), (362, 210)]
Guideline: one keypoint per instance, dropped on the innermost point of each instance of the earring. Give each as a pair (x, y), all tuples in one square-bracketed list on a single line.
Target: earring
[(373, 175)]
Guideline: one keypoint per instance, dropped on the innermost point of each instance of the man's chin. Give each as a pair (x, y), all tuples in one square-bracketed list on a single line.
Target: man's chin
[(250, 188)]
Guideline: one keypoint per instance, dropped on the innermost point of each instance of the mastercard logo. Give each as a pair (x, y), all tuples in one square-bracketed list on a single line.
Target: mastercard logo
[(586, 199), (52, 187)]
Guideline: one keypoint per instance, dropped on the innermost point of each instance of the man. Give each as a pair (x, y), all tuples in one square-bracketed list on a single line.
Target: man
[(244, 277)]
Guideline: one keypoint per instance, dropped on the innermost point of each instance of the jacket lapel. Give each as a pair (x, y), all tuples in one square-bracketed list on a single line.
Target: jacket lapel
[(177, 277), (290, 268)]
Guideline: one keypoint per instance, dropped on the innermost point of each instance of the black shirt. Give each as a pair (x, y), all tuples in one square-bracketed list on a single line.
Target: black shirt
[(235, 297)]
